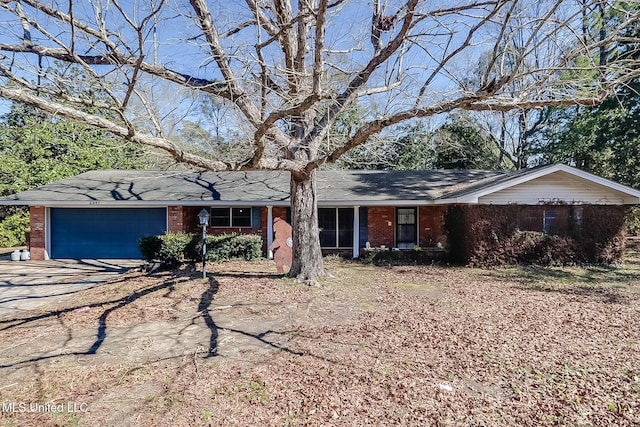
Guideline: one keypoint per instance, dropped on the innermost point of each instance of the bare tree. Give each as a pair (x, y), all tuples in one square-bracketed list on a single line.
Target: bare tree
[(290, 69)]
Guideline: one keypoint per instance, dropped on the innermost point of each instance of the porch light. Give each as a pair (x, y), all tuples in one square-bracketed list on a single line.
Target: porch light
[(203, 216)]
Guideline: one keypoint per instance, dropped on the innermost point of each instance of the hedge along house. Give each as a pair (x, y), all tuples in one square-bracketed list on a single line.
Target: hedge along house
[(102, 214)]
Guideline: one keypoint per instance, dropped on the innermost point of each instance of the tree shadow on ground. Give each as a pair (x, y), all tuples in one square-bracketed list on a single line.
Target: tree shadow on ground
[(111, 307), (203, 308), (101, 333), (207, 298), (606, 295)]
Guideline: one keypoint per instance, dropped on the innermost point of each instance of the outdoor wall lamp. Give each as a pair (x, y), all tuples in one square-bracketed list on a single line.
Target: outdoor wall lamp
[(203, 216)]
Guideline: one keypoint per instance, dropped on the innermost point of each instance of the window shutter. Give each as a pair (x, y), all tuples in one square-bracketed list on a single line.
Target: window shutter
[(255, 217)]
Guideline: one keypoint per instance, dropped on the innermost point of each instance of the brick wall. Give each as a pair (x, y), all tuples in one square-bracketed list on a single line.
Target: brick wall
[(175, 220), (381, 226), (431, 226), (531, 218), (280, 211), (190, 223), (37, 239)]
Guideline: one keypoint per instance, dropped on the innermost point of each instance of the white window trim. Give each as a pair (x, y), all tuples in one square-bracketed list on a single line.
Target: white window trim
[(231, 208), (337, 228)]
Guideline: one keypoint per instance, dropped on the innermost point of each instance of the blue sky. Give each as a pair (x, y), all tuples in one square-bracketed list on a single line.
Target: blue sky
[(350, 30)]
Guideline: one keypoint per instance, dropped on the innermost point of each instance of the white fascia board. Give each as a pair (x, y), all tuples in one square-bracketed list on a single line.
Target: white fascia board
[(602, 181), (160, 203), (139, 203), (373, 203), (473, 197), (453, 201)]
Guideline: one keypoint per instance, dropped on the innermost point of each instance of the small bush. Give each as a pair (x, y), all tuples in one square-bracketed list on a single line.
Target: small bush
[(226, 247), (174, 248), (168, 248), (13, 229), (149, 247), (632, 220)]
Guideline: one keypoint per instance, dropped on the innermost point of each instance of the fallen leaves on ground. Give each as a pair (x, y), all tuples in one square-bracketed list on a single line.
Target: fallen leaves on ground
[(371, 346)]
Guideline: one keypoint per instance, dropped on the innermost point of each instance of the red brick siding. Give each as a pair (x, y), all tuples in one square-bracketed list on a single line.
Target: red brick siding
[(175, 218), (37, 240), (191, 224), (531, 218), (190, 221), (431, 226), (560, 224), (280, 211), (381, 226)]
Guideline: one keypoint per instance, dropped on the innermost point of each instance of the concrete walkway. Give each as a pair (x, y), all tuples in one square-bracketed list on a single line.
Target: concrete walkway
[(25, 285)]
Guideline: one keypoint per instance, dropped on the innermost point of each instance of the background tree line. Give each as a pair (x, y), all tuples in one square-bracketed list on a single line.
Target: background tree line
[(37, 148)]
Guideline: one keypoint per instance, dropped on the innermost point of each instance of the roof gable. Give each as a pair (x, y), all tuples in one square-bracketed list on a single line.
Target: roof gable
[(554, 183)]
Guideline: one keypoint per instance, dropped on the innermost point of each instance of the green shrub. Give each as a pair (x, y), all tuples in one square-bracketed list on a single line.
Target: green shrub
[(632, 220), (168, 248), (13, 229), (150, 247), (225, 247), (173, 248)]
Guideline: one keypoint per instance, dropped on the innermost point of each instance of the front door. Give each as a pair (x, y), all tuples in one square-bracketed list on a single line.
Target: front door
[(407, 230)]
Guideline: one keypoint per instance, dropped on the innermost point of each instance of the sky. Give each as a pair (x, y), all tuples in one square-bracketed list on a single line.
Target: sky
[(180, 49)]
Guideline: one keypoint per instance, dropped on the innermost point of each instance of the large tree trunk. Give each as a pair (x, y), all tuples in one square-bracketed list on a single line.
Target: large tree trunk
[(307, 255)]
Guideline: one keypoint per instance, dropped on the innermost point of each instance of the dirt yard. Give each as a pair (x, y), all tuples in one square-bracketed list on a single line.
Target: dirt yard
[(371, 346)]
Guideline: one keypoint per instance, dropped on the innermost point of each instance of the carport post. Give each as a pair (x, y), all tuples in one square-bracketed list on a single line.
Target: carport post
[(204, 221)]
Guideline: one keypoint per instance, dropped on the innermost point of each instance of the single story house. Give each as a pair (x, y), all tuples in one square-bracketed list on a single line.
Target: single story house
[(102, 214)]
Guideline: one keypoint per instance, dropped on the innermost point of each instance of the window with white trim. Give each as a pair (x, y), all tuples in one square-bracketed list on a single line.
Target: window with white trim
[(406, 227), (336, 227), (230, 217)]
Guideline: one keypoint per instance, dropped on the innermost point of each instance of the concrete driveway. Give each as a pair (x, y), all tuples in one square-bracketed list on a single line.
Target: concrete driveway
[(25, 285)]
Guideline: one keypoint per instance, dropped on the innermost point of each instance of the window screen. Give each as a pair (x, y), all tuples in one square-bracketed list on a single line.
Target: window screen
[(327, 221), (220, 217), (241, 217)]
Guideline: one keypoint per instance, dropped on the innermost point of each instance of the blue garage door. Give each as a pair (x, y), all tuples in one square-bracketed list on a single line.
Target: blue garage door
[(103, 233)]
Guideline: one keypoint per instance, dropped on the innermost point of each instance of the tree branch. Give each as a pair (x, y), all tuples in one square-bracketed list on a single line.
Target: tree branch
[(207, 86), (54, 108), (471, 103)]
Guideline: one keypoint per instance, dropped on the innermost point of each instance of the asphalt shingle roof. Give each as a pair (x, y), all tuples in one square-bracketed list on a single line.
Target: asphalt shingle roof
[(253, 187)]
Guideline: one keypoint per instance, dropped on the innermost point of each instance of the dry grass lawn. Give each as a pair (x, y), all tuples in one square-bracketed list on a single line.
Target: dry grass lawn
[(372, 346)]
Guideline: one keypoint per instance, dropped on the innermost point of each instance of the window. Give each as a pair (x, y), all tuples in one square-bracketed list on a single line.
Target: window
[(336, 227), (407, 229), (328, 223), (220, 217), (577, 215), (550, 216), (231, 217)]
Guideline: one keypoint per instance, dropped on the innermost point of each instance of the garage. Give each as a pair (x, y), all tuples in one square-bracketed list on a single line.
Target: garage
[(93, 233)]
